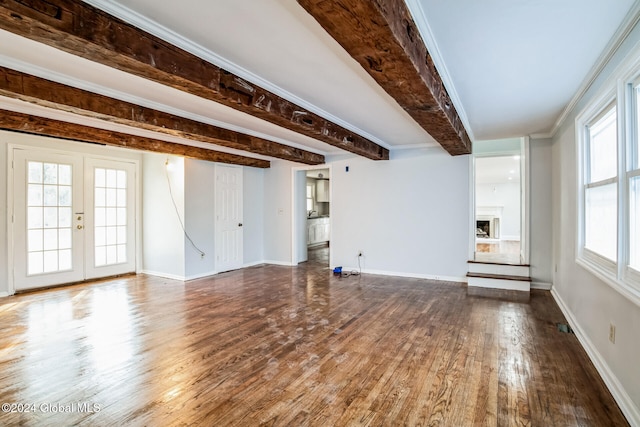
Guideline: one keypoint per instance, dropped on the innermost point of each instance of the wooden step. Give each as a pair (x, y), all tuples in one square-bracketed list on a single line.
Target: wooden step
[(499, 268), (499, 281)]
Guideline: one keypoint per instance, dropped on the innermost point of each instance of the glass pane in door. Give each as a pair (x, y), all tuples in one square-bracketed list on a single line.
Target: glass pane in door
[(110, 210), (49, 198)]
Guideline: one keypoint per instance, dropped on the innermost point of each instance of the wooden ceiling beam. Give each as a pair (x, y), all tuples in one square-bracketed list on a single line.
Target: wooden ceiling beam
[(25, 87), (26, 123), (382, 36), (81, 29)]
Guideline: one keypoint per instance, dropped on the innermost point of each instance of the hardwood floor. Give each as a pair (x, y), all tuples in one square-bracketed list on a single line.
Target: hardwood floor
[(273, 345)]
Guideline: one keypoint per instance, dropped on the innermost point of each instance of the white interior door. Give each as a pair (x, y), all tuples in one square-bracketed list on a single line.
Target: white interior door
[(229, 217), (73, 218), (48, 227)]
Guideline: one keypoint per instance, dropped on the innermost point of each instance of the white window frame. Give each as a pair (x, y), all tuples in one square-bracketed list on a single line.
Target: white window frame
[(617, 90), (629, 274)]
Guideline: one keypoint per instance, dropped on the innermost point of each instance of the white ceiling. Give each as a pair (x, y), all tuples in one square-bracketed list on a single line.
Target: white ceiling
[(511, 66), (497, 170)]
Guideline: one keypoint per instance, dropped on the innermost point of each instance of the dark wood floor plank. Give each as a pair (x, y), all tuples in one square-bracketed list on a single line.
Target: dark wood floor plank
[(281, 346)]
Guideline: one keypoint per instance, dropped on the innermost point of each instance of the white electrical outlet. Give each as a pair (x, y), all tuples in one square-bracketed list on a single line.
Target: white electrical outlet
[(612, 333)]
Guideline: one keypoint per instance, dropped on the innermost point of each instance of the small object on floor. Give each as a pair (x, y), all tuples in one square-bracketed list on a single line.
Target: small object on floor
[(337, 271)]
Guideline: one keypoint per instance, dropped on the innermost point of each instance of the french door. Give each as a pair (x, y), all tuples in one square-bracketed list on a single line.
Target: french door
[(73, 218)]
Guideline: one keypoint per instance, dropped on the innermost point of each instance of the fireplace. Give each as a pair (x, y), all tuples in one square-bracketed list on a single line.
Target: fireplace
[(483, 228), (488, 222)]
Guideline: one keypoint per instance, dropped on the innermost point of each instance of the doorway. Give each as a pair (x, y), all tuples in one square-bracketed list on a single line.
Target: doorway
[(73, 217), (500, 194), (312, 215)]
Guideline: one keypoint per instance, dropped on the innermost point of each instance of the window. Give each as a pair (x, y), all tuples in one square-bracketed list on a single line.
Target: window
[(633, 182), (600, 187), (608, 138), (310, 198)]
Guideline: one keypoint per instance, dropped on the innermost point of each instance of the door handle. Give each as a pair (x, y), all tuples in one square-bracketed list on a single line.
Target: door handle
[(240, 224)]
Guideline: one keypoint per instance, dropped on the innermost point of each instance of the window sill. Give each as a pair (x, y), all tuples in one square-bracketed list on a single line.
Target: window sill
[(626, 289)]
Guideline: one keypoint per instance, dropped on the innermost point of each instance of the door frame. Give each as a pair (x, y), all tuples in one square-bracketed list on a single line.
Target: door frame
[(525, 198), (63, 147), (295, 219)]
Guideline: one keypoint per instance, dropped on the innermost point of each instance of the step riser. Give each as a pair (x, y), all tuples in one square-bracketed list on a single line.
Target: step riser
[(513, 285), (506, 270)]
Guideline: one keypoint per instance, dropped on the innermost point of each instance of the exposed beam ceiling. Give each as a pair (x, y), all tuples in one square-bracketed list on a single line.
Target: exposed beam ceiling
[(383, 38), (83, 30), (25, 87), (14, 121)]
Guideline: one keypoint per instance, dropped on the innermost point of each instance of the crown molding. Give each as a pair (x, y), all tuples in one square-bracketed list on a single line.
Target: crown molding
[(541, 135), (140, 21), (122, 96), (623, 31), (420, 18)]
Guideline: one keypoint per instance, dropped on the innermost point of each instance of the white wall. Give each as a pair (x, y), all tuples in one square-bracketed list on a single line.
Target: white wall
[(506, 195), (590, 303), (277, 212), (409, 215), (253, 211), (162, 236), (199, 198), (540, 217)]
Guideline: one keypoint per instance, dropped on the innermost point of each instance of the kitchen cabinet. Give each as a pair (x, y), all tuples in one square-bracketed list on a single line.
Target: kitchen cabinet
[(318, 230), (322, 190)]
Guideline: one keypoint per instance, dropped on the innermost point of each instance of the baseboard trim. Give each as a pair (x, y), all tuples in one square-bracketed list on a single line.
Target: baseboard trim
[(410, 275), (200, 276), (541, 285), (253, 264), (622, 398), (164, 275), (4, 294), (283, 263)]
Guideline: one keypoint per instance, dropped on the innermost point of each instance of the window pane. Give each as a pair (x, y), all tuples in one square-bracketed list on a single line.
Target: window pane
[(601, 215), (35, 172), (35, 240), (64, 174), (51, 175), (602, 148), (34, 197), (634, 223)]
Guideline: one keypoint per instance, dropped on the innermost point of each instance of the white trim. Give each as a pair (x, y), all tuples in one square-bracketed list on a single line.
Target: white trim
[(4, 294), (294, 171), (547, 135), (282, 263), (253, 264), (542, 286), (622, 398), (409, 275), (200, 275), (165, 275), (420, 19), (631, 19), (182, 42), (473, 239), (525, 199)]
